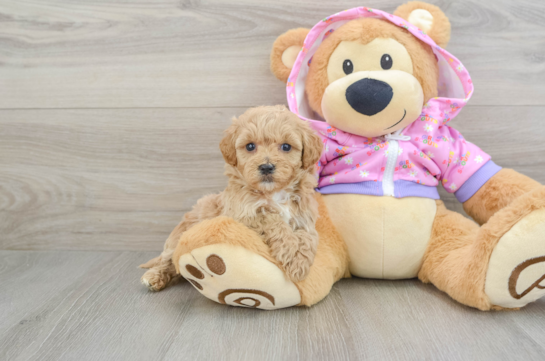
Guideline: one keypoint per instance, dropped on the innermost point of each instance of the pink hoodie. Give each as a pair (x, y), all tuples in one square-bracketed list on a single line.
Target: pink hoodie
[(410, 162)]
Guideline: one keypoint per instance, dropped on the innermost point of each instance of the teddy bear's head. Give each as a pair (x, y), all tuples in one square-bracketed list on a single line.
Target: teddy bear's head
[(369, 76)]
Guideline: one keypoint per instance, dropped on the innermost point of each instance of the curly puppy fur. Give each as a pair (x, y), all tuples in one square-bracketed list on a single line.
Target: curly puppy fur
[(279, 206)]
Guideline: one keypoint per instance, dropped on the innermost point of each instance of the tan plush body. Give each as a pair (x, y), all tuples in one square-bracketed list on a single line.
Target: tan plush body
[(496, 263)]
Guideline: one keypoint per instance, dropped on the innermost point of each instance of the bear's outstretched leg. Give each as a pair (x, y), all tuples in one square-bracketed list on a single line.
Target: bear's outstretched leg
[(499, 265), (230, 264)]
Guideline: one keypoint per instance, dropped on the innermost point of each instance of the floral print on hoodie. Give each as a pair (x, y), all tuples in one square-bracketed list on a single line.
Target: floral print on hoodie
[(429, 150)]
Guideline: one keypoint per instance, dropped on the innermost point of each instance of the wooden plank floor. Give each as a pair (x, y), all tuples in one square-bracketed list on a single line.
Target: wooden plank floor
[(68, 305), (110, 118)]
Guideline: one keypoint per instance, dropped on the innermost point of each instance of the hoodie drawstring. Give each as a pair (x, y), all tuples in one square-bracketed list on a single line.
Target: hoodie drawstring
[(397, 136)]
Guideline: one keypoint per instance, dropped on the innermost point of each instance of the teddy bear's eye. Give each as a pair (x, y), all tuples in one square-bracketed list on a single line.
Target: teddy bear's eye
[(386, 61), (348, 67)]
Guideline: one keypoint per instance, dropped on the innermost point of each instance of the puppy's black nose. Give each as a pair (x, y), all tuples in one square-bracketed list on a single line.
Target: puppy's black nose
[(266, 168), (369, 96)]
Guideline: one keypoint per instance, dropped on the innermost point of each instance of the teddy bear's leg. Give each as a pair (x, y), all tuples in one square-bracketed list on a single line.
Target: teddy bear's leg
[(230, 264), (497, 193), (499, 265)]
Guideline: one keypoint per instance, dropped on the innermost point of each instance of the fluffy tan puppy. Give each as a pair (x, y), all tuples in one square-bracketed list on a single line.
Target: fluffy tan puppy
[(270, 159)]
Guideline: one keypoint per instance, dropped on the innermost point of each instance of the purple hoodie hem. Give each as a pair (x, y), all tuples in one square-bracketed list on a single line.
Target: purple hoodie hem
[(402, 189), (476, 181), (370, 188)]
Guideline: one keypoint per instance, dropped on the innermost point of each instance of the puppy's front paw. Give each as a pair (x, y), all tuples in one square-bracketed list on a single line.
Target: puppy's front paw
[(295, 253), (297, 268), (295, 261)]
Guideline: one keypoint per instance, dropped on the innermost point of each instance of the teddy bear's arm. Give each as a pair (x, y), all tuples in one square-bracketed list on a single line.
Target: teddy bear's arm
[(498, 192)]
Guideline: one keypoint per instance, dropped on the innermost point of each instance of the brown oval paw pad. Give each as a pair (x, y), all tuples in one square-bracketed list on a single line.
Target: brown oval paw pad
[(194, 271), (215, 264)]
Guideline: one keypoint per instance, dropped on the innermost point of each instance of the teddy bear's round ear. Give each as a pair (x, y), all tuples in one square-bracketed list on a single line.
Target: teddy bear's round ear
[(285, 50), (428, 18)]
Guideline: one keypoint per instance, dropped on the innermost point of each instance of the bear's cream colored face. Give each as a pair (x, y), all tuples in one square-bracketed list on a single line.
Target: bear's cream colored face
[(372, 90)]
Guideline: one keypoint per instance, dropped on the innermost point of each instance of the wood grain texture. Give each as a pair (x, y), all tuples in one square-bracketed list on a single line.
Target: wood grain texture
[(90, 306), (71, 178), (121, 179), (138, 53)]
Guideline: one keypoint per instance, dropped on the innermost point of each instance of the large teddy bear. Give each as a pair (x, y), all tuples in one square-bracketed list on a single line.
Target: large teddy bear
[(381, 91)]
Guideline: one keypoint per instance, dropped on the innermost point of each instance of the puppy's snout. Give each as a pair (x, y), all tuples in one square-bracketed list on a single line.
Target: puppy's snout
[(266, 168), (369, 96)]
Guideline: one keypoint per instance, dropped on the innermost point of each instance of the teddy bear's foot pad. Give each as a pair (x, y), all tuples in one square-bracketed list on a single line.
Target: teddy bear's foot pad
[(516, 271), (235, 276)]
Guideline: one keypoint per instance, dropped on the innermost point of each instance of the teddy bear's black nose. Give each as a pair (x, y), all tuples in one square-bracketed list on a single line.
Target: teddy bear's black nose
[(369, 96)]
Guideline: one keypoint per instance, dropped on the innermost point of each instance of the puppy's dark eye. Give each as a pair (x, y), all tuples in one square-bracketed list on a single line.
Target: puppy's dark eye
[(286, 147), (348, 67), (386, 61), (250, 147)]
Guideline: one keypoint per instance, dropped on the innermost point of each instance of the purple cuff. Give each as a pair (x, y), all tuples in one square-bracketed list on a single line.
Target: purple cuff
[(476, 181)]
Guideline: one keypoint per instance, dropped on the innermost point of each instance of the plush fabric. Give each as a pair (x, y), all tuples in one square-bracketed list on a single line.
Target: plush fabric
[(504, 187), (364, 31), (218, 273), (457, 259), (291, 38), (514, 260), (439, 30), (382, 241)]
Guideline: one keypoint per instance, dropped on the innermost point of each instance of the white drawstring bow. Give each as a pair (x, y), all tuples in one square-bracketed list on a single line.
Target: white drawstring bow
[(397, 136)]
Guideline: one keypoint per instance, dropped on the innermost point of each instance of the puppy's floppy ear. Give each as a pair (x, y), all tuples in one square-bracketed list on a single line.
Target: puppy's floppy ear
[(428, 18), (285, 50), (228, 144), (312, 146)]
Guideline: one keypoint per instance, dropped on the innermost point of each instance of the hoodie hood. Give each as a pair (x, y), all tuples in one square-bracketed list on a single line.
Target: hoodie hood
[(454, 86)]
